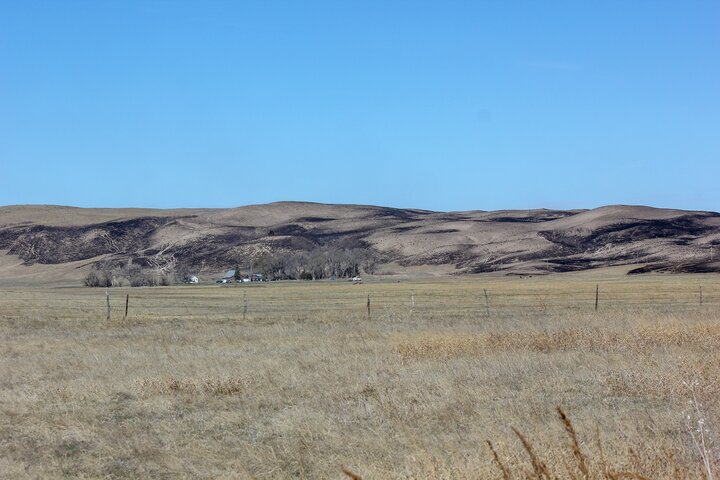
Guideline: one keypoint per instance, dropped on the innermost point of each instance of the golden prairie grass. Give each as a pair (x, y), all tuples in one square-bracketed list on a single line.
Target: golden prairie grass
[(209, 385), (306, 386), (592, 339)]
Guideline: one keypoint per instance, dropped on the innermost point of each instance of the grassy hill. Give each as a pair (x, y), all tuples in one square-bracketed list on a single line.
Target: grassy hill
[(56, 243)]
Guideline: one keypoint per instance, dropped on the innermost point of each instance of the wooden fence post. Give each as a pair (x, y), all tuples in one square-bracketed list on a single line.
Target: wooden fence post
[(245, 305), (487, 305), (597, 295), (127, 302), (368, 307), (412, 302), (107, 301)]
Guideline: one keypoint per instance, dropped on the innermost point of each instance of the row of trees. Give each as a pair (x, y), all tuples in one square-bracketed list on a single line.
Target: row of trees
[(106, 275), (316, 264)]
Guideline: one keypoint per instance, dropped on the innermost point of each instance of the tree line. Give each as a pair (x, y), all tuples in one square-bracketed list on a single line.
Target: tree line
[(322, 262), (164, 268), (104, 275)]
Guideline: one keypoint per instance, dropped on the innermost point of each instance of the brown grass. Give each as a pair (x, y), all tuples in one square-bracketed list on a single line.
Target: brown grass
[(588, 469), (207, 386), (574, 444), (185, 388)]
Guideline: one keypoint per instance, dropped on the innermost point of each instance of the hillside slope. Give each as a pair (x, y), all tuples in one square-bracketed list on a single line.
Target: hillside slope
[(33, 238)]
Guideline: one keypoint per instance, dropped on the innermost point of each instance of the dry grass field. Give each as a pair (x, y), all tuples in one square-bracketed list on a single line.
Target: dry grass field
[(304, 384)]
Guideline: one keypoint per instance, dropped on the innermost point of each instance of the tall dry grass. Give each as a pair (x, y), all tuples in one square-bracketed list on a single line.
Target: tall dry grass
[(306, 386)]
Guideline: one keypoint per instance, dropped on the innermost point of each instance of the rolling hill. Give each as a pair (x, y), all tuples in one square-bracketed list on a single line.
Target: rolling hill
[(55, 243)]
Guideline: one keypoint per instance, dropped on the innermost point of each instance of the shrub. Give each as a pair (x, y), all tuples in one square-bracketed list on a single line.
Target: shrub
[(96, 278), (143, 280)]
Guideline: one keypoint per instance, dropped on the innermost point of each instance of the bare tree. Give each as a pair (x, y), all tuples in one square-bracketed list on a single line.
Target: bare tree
[(298, 263), (370, 264), (322, 262)]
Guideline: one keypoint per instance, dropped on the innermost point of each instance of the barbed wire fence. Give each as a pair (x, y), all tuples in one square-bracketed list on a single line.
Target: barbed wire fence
[(375, 303)]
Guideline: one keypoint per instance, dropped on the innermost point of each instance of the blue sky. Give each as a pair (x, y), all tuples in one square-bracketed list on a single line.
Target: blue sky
[(437, 105)]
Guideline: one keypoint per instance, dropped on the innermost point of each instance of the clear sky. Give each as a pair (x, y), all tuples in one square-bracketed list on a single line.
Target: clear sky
[(441, 105)]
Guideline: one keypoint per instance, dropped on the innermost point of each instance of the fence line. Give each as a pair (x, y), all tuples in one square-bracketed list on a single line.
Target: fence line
[(367, 300), (422, 304)]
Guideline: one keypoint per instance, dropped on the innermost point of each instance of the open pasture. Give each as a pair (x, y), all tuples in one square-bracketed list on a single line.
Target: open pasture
[(296, 380)]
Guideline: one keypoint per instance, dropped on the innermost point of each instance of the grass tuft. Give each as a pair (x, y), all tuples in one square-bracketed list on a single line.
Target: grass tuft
[(505, 471), (575, 445), (207, 385), (349, 474)]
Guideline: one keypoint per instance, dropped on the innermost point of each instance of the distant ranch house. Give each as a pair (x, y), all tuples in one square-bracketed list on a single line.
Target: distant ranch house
[(235, 276), (228, 277)]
